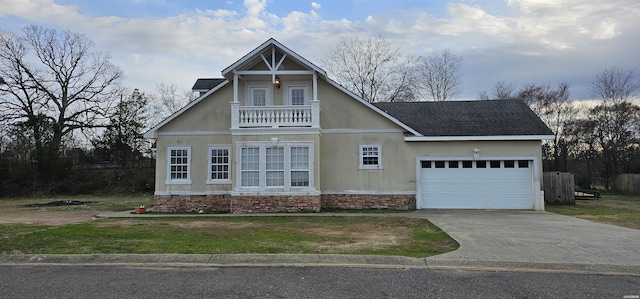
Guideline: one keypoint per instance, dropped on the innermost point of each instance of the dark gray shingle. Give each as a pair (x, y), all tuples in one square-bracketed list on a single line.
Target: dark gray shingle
[(467, 118), (206, 83)]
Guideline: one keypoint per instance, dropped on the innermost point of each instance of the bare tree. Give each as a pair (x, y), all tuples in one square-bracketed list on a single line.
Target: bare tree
[(502, 90), (54, 83), (615, 125), (372, 68), (614, 84), (167, 99), (440, 75)]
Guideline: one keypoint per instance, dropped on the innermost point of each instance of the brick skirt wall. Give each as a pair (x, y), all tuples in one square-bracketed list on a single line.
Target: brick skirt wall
[(369, 201), (275, 203), (181, 203), (281, 203)]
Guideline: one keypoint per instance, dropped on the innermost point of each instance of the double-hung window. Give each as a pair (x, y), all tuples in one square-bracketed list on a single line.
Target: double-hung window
[(219, 165), (280, 167), (370, 156), (258, 95), (178, 165), (297, 94)]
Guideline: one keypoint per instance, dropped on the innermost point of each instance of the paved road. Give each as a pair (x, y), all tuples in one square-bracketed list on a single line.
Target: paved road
[(535, 237), (302, 282)]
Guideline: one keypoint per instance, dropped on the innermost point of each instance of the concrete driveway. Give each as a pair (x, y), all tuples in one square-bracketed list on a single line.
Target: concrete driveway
[(534, 237)]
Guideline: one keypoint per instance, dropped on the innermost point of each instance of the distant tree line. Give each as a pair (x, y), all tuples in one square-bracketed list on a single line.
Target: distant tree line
[(594, 139)]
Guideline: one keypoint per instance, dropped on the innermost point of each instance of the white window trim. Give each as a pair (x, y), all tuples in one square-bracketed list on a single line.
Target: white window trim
[(186, 181), (361, 156), (296, 84), (258, 84), (218, 181), (262, 186)]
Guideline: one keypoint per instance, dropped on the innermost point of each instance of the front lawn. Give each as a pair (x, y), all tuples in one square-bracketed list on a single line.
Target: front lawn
[(398, 236), (613, 209)]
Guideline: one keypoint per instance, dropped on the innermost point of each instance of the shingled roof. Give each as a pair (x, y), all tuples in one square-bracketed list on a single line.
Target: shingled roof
[(467, 118), (204, 84)]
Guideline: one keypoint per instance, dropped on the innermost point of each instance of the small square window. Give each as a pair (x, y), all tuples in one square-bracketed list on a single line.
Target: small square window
[(467, 164), (453, 164), (494, 164), (523, 164), (426, 164), (509, 164), (439, 164), (370, 157), (481, 164)]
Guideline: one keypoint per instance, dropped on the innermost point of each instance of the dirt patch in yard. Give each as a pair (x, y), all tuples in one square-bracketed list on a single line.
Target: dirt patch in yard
[(43, 216)]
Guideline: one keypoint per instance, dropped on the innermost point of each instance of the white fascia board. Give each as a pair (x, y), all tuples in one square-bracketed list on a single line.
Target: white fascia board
[(479, 138), (264, 45), (285, 72), (374, 108), (152, 133)]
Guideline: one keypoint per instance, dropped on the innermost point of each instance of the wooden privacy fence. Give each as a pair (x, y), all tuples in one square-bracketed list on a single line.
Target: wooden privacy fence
[(559, 188), (627, 183)]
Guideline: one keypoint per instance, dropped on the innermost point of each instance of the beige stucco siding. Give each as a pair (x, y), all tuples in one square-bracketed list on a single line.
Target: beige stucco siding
[(339, 111), (199, 146), (340, 155), (210, 114)]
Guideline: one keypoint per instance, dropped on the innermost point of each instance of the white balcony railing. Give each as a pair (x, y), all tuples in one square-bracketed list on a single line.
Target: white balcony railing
[(275, 116)]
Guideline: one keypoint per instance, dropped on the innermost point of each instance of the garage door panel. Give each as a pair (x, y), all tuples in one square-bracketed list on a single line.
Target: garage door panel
[(477, 188)]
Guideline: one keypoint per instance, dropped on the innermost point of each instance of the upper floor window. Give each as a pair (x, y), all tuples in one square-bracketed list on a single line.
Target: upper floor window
[(370, 156), (178, 165), (297, 94), (258, 95)]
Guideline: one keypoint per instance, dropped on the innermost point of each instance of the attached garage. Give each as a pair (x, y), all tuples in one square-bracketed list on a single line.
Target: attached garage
[(476, 184)]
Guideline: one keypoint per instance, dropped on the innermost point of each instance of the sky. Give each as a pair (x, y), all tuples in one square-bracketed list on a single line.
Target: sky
[(518, 41)]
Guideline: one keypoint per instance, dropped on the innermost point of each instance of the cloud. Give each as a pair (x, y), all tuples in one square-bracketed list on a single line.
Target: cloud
[(527, 41)]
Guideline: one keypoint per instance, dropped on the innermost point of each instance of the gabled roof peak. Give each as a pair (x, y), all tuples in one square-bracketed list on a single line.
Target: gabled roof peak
[(248, 59)]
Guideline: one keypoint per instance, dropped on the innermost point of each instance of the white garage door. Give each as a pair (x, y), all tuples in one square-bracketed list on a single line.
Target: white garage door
[(490, 184)]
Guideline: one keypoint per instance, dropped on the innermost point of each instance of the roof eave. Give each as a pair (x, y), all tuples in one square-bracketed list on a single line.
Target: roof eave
[(480, 138)]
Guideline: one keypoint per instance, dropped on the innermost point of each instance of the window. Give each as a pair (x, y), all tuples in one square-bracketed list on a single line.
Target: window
[(481, 164), (426, 164), (275, 166), (370, 157), (250, 167), (439, 164), (297, 94), (453, 164), (494, 164), (258, 95), (281, 167), (509, 164), (523, 164), (178, 160), (299, 166), (467, 164), (219, 165)]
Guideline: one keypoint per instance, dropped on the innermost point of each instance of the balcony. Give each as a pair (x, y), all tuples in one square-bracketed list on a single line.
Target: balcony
[(275, 116)]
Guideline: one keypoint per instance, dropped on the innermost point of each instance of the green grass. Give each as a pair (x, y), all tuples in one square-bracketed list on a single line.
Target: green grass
[(612, 209), (322, 235)]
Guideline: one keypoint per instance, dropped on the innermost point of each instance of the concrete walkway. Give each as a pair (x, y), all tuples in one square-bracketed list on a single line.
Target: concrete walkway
[(489, 240)]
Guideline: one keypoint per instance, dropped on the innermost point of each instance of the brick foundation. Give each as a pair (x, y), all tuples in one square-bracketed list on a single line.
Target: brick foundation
[(281, 203), (275, 203), (369, 201), (176, 203)]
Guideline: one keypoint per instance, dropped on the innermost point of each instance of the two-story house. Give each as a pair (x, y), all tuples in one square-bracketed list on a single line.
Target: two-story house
[(276, 134)]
